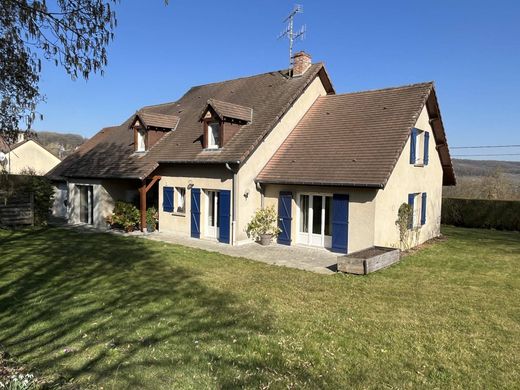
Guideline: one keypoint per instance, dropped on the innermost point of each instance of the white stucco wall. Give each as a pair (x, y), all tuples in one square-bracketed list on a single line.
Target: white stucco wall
[(405, 179), (205, 177), (33, 156), (361, 216), (252, 167)]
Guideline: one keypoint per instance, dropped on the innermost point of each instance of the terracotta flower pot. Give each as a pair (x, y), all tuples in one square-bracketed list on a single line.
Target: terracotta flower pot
[(266, 239)]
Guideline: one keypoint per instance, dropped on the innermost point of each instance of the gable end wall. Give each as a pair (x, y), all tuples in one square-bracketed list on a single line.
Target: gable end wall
[(405, 179)]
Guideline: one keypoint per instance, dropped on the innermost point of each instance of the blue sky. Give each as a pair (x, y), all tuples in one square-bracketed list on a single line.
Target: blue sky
[(471, 49)]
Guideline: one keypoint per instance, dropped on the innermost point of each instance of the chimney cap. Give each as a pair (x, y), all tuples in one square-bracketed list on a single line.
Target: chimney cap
[(301, 53)]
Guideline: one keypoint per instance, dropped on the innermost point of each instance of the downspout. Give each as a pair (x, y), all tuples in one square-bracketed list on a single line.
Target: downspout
[(234, 203), (262, 194)]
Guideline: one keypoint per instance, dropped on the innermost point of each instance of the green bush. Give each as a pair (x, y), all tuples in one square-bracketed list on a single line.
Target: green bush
[(151, 218), (43, 192), (481, 213), (125, 215)]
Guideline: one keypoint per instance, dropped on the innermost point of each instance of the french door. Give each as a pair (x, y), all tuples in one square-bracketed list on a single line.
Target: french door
[(86, 204), (212, 214), (315, 220)]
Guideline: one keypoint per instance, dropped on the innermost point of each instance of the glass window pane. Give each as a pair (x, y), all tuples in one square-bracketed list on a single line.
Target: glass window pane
[(181, 192), (211, 210), (328, 216), (213, 134), (304, 213), (316, 214)]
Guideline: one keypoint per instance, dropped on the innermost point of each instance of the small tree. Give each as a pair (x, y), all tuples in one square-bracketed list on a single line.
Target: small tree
[(404, 222)]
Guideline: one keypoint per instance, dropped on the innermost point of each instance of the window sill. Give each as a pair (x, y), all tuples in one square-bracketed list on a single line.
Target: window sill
[(178, 214), (418, 165), (211, 149)]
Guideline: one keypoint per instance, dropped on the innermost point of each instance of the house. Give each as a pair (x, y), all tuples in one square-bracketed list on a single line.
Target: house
[(27, 154), (336, 166)]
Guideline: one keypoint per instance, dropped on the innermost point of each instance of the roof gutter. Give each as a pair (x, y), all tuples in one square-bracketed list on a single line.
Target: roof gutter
[(318, 183), (197, 162)]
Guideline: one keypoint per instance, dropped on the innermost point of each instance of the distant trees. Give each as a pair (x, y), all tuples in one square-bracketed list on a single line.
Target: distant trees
[(496, 186)]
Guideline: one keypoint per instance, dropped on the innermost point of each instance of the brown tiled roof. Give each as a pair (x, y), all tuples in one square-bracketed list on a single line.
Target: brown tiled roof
[(230, 110), (162, 121), (110, 153), (355, 139)]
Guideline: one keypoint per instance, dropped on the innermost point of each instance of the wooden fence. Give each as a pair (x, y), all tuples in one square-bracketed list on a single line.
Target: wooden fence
[(17, 209)]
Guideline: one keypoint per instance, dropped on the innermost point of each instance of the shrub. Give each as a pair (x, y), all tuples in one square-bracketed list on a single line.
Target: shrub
[(263, 222), (43, 191), (125, 215), (404, 222), (151, 217), (481, 213)]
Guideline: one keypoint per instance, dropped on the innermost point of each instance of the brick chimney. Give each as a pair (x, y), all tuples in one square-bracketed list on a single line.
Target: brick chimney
[(301, 62)]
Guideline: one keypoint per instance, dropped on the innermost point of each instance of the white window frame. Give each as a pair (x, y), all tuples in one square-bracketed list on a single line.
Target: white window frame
[(213, 142), (419, 148), (180, 198), (417, 210), (313, 239), (141, 140)]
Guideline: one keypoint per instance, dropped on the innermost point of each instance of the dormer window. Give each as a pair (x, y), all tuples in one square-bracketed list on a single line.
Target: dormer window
[(213, 135), (221, 121), (150, 127)]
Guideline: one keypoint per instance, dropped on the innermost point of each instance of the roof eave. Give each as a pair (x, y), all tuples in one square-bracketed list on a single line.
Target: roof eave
[(321, 183)]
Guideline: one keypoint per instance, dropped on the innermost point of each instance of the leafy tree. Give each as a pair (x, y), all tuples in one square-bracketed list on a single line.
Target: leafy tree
[(73, 34)]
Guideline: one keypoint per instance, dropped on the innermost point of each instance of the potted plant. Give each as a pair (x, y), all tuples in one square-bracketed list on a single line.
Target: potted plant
[(151, 219), (263, 226)]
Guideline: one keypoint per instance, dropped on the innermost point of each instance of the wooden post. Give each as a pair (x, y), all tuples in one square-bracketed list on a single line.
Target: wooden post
[(142, 198)]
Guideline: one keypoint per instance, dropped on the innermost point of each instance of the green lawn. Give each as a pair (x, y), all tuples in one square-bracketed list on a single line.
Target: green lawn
[(121, 312)]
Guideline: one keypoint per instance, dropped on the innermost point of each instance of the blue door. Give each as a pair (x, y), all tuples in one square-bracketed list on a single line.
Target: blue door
[(284, 217), (195, 212), (340, 223), (224, 214)]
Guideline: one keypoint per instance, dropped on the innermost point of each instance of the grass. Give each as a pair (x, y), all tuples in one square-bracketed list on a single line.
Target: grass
[(114, 312)]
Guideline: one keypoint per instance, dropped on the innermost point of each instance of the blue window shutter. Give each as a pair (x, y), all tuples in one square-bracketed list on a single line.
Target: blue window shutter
[(284, 217), (195, 212), (411, 198), (340, 223), (426, 147), (168, 199), (413, 145), (423, 208), (224, 204)]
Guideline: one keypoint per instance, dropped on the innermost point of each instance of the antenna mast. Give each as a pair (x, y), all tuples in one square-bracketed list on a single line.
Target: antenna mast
[(289, 31)]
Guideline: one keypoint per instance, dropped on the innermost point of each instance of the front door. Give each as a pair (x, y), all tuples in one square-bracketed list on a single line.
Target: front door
[(315, 222), (212, 214), (86, 202)]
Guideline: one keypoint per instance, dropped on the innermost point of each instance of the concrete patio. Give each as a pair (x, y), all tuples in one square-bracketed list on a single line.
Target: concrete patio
[(309, 259), (316, 260)]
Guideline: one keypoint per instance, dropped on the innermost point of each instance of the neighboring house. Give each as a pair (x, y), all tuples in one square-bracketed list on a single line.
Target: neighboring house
[(336, 167), (27, 154)]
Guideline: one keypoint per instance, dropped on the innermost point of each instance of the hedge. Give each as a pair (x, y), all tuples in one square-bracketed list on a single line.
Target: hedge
[(481, 213)]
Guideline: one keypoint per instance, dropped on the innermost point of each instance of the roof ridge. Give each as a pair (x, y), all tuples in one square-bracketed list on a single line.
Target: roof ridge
[(221, 82), (429, 83), (251, 76)]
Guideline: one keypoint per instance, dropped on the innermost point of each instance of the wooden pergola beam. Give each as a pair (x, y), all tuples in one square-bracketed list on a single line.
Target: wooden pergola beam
[(143, 190)]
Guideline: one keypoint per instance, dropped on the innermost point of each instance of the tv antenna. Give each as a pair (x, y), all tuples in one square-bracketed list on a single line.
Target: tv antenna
[(289, 31)]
